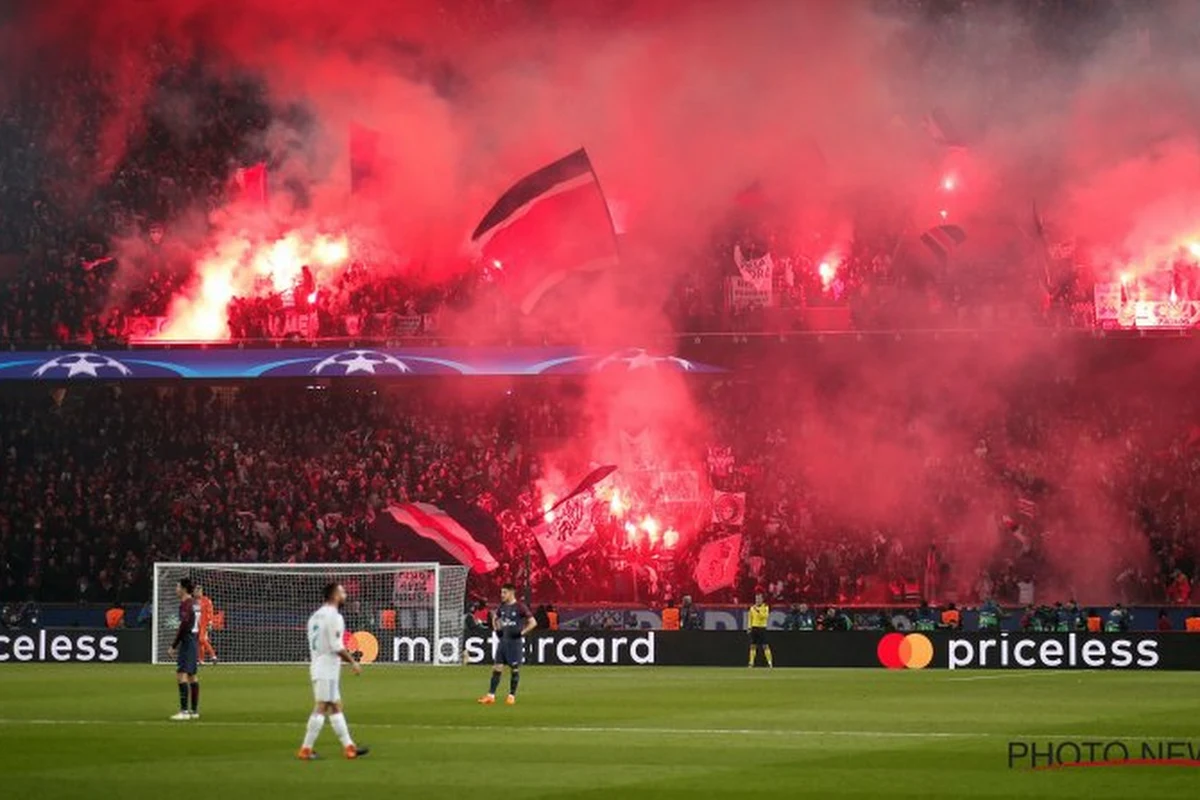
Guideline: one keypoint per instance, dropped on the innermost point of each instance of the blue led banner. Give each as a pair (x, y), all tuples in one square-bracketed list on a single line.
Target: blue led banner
[(225, 363)]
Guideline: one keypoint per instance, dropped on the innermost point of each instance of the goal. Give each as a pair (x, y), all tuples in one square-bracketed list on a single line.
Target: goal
[(395, 613)]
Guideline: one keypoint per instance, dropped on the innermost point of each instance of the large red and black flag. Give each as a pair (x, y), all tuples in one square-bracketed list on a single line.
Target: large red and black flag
[(550, 224), (943, 239), (364, 154)]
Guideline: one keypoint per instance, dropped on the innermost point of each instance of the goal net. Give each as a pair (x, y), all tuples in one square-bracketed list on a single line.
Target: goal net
[(395, 613)]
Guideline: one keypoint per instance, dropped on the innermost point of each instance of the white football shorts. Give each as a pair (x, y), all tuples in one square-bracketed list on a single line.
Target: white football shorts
[(327, 691)]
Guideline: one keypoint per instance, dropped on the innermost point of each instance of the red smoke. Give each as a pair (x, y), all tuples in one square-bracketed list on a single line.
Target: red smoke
[(681, 106), (638, 413)]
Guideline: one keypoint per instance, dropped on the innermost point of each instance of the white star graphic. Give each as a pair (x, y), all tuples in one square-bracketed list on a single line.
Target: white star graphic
[(641, 360), (360, 364), (82, 366)]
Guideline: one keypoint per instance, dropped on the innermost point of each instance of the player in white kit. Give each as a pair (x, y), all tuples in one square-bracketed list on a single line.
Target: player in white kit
[(327, 649)]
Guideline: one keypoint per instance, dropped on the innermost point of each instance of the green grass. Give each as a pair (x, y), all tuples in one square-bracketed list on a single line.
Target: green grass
[(75, 731)]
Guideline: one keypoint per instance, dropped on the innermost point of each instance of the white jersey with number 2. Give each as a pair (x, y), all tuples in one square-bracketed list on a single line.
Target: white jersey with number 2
[(325, 630)]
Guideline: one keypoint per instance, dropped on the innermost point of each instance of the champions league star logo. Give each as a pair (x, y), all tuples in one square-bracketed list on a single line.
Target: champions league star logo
[(88, 365), (361, 362), (637, 358)]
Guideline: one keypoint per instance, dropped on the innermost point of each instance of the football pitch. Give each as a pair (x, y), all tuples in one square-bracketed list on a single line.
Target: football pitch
[(69, 731)]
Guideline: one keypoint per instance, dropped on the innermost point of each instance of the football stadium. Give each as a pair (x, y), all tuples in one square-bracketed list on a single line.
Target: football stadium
[(592, 398)]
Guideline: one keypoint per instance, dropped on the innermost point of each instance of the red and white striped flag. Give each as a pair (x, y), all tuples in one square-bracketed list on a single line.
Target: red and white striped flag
[(437, 525)]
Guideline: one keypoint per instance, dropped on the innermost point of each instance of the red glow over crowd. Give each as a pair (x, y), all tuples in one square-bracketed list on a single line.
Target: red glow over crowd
[(204, 185)]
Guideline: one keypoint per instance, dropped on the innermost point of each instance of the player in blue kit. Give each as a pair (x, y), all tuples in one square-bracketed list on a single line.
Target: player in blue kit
[(511, 621), (186, 651)]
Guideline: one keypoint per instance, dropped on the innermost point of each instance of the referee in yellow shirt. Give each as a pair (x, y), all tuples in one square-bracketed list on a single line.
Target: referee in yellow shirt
[(759, 612)]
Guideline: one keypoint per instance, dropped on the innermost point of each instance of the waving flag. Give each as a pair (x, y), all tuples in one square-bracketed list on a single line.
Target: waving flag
[(932, 569), (463, 531), (250, 184), (568, 530), (718, 563), (939, 127), (751, 198), (592, 478), (943, 239), (364, 151), (585, 485), (549, 225)]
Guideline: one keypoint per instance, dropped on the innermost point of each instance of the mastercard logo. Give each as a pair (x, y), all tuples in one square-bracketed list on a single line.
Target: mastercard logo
[(905, 651), (365, 643)]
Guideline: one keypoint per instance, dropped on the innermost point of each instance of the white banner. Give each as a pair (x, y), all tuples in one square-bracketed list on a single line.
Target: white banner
[(1061, 250), (569, 531), (720, 461), (1115, 308), (740, 295), (758, 272), (637, 450), (1108, 301), (679, 487)]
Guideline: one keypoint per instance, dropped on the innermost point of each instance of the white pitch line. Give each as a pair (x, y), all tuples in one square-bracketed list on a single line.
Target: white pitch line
[(1006, 676), (567, 729)]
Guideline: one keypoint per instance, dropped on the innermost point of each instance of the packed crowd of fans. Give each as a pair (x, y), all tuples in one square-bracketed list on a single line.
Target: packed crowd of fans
[(100, 482), (63, 276), (1079, 493)]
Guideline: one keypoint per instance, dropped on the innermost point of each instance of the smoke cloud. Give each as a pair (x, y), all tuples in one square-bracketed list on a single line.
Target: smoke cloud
[(681, 106)]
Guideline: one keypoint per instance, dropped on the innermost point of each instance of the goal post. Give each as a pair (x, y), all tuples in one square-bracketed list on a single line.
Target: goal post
[(395, 613)]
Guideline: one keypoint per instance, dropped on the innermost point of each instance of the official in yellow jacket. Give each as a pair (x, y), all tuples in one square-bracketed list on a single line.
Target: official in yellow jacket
[(759, 613)]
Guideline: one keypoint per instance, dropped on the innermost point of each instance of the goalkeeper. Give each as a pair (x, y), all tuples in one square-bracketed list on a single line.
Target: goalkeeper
[(511, 622)]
